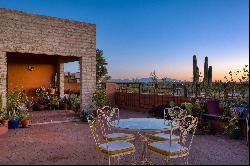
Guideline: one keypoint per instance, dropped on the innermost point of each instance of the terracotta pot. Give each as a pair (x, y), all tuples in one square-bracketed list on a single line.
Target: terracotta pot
[(41, 107), (3, 129), (5, 123), (52, 91), (25, 122)]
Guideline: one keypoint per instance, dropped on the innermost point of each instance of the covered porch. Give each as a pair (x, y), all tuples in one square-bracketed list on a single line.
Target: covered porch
[(34, 48)]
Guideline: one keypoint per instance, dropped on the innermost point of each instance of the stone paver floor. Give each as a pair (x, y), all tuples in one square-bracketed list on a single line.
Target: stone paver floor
[(72, 143)]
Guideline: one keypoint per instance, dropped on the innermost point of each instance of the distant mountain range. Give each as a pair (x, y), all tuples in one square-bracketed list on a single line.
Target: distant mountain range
[(143, 80)]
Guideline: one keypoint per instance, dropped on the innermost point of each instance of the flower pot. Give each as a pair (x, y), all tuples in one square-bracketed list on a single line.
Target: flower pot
[(25, 122), (5, 123), (52, 91), (3, 129), (41, 107), (221, 111), (213, 107), (13, 124), (63, 107)]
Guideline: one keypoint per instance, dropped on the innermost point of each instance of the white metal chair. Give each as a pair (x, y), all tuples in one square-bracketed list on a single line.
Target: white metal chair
[(110, 115), (176, 114), (111, 149), (181, 148)]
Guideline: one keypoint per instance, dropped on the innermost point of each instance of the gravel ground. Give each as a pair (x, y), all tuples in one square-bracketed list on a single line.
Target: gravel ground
[(72, 143)]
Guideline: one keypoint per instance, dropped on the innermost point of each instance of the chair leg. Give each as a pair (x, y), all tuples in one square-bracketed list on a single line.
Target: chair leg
[(133, 159), (167, 160), (109, 161), (186, 163), (118, 160)]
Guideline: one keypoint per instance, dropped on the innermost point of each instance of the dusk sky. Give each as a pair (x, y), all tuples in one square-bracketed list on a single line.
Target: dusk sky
[(140, 36)]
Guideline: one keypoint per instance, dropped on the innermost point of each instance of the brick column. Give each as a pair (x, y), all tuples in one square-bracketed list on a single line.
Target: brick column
[(87, 80), (3, 77), (60, 77)]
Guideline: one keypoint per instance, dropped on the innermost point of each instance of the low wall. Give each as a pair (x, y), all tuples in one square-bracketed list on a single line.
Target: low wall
[(145, 102), (218, 125), (72, 86)]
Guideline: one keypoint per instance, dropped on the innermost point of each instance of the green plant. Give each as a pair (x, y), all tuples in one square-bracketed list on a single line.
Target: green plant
[(23, 114), (232, 129), (4, 115), (101, 69), (74, 102), (41, 91), (188, 107), (172, 103), (224, 105), (53, 101), (16, 103), (63, 102), (35, 106), (100, 98), (42, 94), (238, 81), (86, 115)]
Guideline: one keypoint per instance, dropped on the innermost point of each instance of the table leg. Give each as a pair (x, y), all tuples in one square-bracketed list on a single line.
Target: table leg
[(145, 159)]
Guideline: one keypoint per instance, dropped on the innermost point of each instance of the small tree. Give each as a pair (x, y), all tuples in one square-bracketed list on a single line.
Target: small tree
[(101, 69), (100, 98), (238, 81), (154, 79)]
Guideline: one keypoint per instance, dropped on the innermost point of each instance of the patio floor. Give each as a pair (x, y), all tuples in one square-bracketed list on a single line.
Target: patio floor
[(71, 142)]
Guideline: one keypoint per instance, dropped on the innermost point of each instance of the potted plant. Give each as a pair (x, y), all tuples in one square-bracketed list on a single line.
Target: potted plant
[(232, 128), (74, 102), (52, 91), (35, 106), (88, 114), (4, 118), (14, 120), (3, 122), (25, 120), (172, 103), (16, 104), (54, 102), (23, 115), (63, 103), (188, 107), (42, 95)]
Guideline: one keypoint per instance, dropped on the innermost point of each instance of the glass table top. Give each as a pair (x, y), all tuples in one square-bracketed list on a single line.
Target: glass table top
[(144, 124)]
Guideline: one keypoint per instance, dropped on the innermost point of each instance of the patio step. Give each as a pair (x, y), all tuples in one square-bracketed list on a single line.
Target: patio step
[(45, 117)]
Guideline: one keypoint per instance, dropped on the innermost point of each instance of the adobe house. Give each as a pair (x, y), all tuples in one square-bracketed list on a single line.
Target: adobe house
[(34, 48)]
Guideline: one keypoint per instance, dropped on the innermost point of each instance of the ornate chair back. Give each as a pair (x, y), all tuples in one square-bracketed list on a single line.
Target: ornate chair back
[(97, 129), (187, 128), (176, 113), (108, 115)]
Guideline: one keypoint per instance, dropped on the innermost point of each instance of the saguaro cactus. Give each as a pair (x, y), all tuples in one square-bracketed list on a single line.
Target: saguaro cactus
[(210, 75), (195, 70), (206, 69)]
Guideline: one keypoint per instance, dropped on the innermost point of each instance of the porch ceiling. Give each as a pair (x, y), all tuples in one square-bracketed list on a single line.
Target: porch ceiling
[(16, 57)]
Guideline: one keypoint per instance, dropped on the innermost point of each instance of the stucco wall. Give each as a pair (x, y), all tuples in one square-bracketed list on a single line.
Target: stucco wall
[(20, 76)]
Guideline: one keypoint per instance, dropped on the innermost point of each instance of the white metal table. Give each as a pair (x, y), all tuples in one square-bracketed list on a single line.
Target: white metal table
[(143, 127)]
